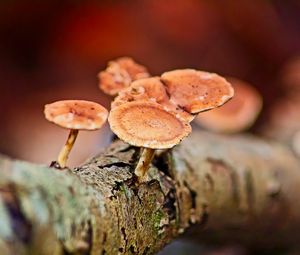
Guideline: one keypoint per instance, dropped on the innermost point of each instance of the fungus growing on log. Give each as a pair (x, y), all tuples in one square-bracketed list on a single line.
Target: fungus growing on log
[(238, 114), (74, 115), (147, 125), (119, 74), (139, 111)]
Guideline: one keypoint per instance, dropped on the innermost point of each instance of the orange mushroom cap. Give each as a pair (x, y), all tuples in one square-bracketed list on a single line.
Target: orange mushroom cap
[(119, 74), (197, 91), (238, 114), (76, 114), (150, 89), (147, 124), (144, 89)]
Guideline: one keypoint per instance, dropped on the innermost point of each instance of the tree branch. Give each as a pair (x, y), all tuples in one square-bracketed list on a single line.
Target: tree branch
[(213, 187)]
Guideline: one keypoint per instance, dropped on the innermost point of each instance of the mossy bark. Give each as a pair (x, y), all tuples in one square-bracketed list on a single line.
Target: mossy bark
[(213, 188)]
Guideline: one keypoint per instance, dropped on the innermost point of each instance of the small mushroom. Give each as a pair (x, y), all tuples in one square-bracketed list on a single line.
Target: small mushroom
[(238, 114), (150, 89), (74, 115), (147, 125), (143, 89), (119, 74), (196, 91)]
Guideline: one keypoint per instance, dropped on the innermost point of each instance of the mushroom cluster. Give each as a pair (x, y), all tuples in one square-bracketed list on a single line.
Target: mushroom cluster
[(148, 112), (155, 113)]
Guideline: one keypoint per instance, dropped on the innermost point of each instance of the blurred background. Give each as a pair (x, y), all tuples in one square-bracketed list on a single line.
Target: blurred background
[(52, 50)]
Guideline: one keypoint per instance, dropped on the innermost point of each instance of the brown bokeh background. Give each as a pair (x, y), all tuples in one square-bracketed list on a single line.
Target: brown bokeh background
[(52, 50)]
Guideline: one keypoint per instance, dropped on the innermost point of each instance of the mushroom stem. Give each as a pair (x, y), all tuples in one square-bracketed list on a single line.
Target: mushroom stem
[(144, 162), (65, 151)]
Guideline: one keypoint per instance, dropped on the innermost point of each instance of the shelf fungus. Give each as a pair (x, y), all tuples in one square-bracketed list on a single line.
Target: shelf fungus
[(238, 114), (119, 74), (74, 115), (147, 125)]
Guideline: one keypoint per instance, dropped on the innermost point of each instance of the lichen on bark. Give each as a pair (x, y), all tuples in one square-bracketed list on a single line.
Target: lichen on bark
[(211, 187)]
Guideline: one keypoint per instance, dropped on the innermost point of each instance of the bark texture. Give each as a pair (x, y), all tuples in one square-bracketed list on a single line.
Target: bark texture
[(211, 187)]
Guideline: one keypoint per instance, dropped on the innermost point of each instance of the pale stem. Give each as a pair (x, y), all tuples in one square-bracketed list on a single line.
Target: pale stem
[(65, 151), (144, 162)]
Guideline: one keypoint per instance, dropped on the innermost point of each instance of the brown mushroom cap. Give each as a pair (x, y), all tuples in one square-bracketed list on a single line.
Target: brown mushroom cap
[(147, 124), (238, 114), (197, 91), (144, 89), (119, 74), (76, 114), (153, 90)]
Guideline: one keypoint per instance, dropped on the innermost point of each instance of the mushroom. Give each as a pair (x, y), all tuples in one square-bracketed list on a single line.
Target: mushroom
[(238, 114), (196, 91), (144, 89), (119, 74), (148, 125), (74, 115), (150, 89)]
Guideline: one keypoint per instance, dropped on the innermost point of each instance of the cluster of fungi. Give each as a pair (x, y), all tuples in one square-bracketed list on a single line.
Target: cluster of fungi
[(149, 112)]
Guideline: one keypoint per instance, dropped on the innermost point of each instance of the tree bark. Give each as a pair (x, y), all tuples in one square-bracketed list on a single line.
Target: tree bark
[(213, 188)]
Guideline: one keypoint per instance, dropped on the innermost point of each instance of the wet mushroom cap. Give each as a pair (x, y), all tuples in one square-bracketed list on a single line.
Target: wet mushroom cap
[(119, 74), (147, 124), (76, 114), (238, 114), (197, 91)]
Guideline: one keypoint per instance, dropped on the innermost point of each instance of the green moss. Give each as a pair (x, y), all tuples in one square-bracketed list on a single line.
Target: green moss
[(156, 218)]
